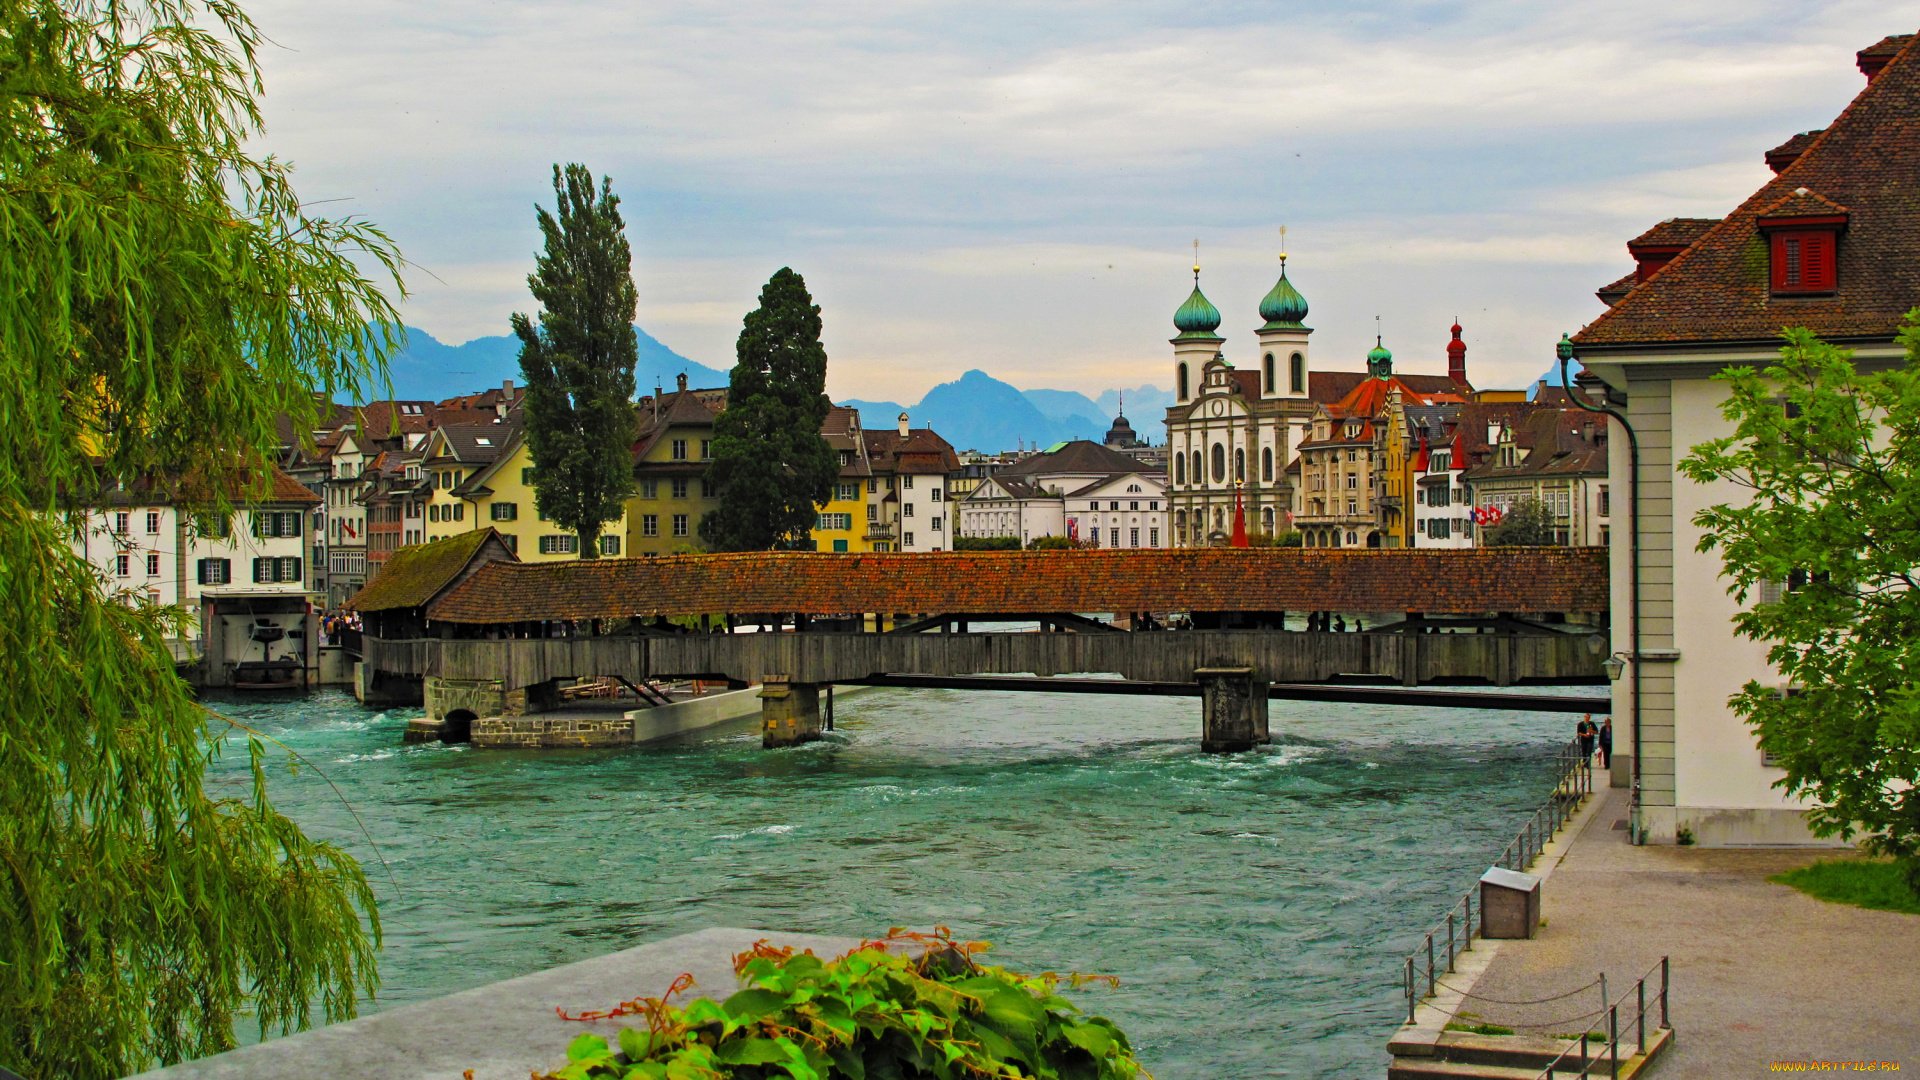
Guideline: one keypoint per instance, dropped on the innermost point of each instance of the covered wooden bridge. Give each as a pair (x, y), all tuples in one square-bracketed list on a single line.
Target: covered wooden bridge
[(464, 613)]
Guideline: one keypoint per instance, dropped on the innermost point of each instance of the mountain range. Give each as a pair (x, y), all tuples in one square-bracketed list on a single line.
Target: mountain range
[(974, 412)]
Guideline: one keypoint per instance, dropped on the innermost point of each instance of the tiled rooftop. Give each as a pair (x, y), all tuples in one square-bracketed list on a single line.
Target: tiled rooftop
[(1208, 579)]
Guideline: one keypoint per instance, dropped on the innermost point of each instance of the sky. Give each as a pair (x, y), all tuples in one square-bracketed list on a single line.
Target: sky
[(1017, 186)]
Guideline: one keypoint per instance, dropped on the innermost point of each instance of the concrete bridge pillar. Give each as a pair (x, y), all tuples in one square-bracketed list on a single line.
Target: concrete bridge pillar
[(789, 713), (1233, 710)]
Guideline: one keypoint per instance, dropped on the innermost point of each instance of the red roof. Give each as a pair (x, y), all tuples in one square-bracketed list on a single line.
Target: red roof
[(1187, 579), (1719, 289)]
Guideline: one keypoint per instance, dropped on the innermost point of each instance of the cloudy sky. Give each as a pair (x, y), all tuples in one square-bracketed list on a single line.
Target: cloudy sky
[(1017, 186)]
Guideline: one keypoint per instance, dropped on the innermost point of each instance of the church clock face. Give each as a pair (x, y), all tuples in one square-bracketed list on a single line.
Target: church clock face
[(1217, 408)]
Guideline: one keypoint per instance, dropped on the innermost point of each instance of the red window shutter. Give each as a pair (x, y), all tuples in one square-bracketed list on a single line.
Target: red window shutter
[(1816, 256), (1803, 262)]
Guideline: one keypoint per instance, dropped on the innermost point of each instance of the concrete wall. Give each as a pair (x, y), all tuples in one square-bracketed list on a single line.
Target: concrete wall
[(1723, 794)]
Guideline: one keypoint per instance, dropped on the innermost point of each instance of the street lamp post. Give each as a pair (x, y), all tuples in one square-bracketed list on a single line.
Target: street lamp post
[(1616, 665)]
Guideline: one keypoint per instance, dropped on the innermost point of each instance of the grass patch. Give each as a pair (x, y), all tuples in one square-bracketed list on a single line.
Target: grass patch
[(1862, 883), (1480, 1029)]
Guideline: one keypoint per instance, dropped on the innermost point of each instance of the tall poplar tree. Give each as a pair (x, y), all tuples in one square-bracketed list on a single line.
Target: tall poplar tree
[(771, 466), (163, 299), (579, 363)]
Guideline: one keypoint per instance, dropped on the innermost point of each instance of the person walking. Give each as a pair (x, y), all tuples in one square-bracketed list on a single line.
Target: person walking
[(1584, 731), (1606, 743)]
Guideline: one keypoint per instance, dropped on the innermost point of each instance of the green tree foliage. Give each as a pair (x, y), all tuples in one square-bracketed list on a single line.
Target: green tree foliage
[(771, 467), (579, 363), (871, 1013), (165, 299), (1829, 457), (1528, 523), (986, 543)]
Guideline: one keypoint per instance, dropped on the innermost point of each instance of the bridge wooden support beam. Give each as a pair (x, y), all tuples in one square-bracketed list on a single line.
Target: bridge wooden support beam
[(789, 712), (1233, 710)]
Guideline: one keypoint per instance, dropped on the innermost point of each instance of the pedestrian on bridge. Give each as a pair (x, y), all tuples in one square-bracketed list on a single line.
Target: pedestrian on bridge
[(1606, 743), (1585, 731)]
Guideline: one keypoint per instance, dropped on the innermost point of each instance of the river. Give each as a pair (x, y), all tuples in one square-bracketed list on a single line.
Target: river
[(1254, 906)]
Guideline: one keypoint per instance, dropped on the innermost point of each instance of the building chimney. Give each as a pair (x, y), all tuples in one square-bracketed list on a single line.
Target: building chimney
[(1457, 359), (506, 388), (681, 380), (903, 425)]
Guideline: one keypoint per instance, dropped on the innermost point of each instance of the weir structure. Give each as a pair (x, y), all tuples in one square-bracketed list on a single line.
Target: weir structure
[(469, 626)]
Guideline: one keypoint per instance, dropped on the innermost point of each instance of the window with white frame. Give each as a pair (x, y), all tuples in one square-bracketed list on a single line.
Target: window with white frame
[(559, 544)]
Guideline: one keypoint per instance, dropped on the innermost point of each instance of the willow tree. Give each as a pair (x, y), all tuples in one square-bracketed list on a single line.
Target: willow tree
[(163, 298)]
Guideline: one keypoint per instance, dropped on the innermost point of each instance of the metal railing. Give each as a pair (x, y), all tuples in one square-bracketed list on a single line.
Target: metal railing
[(1453, 934), (1578, 1057)]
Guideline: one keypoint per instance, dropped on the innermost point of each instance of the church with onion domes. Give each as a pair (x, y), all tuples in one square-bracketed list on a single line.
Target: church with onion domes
[(1235, 434)]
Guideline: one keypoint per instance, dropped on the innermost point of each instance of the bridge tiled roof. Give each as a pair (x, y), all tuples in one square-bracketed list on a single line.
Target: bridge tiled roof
[(1472, 581), (415, 574)]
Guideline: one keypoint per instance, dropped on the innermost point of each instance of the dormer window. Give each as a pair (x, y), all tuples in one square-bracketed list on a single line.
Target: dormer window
[(1803, 262), (1803, 244)]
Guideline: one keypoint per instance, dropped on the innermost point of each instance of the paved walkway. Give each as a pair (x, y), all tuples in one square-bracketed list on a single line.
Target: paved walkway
[(1761, 972)]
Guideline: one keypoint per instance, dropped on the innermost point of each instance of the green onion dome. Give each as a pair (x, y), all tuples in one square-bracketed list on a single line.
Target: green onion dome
[(1283, 306), (1379, 354), (1197, 317)]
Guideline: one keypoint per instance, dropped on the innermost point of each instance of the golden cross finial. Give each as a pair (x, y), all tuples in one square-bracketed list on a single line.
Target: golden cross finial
[(1283, 243), (1196, 260)]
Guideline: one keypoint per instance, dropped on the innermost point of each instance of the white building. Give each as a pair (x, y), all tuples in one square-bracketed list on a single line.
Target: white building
[(908, 489), (1079, 489), (228, 575), (1826, 244)]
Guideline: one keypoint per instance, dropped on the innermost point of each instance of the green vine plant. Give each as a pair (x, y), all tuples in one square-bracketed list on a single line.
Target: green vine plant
[(876, 1013)]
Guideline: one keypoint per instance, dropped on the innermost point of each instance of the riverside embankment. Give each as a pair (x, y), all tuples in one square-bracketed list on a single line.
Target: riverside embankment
[(1253, 905)]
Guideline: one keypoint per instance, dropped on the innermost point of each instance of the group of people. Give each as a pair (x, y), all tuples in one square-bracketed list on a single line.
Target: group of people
[(1595, 737), (332, 623)]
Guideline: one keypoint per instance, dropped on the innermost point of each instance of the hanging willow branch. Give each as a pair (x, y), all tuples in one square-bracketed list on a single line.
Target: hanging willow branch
[(164, 305)]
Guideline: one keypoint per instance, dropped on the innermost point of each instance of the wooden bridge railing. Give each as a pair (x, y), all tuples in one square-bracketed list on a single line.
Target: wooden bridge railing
[(1172, 656)]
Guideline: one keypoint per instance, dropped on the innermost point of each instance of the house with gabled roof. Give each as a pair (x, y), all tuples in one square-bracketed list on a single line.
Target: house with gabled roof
[(1830, 243), (1080, 489)]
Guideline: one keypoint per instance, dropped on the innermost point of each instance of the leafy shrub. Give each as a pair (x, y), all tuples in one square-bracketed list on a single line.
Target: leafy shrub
[(874, 1012), (1061, 543)]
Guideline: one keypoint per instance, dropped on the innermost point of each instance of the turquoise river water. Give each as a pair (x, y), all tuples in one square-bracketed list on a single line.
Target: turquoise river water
[(1254, 906)]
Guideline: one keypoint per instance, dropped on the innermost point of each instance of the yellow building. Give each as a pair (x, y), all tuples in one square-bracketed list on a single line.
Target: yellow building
[(843, 523), (485, 478), (670, 458)]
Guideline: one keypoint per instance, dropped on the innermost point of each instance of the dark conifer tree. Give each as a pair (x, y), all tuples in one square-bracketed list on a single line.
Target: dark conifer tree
[(578, 364), (771, 467)]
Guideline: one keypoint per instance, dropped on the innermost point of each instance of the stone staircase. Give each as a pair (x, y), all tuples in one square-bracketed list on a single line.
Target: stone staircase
[(1462, 1055)]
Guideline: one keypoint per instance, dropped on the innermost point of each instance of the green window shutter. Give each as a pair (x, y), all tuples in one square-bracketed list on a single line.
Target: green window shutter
[(203, 571)]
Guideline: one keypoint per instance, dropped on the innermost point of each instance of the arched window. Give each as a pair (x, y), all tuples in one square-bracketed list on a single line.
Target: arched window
[(1240, 465), (1181, 378), (1298, 376), (1180, 468), (1266, 520), (1266, 465), (1336, 539), (1268, 373), (1219, 463), (1199, 471)]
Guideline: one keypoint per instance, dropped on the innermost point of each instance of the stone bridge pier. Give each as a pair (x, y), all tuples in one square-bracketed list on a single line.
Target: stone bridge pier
[(1233, 710), (789, 712)]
